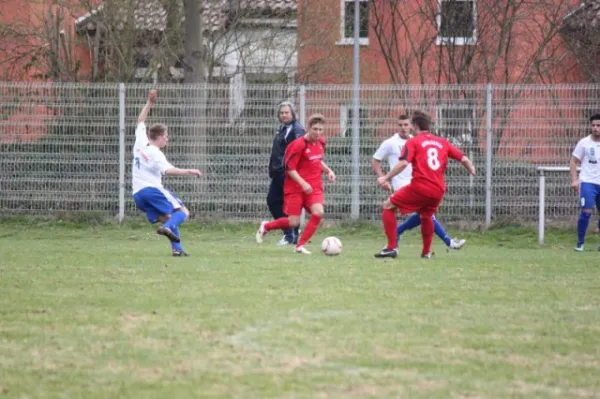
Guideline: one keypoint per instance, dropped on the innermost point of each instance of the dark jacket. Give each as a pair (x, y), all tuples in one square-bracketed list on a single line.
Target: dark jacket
[(285, 135)]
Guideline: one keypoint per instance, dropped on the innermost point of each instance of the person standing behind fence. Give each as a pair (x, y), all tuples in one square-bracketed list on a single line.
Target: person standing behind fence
[(289, 130), (390, 150), (428, 154), (149, 165), (587, 155)]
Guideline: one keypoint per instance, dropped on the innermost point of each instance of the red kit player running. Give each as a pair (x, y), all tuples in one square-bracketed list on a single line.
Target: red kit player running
[(303, 186), (428, 155)]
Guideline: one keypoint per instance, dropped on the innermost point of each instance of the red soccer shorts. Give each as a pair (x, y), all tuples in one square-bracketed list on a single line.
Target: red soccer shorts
[(407, 200), (294, 202)]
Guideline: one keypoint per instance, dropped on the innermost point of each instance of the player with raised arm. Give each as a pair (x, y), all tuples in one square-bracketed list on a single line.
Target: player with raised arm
[(303, 186), (587, 155), (428, 154), (149, 165), (390, 150)]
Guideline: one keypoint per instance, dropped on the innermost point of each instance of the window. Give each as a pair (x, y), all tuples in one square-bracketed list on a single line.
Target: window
[(346, 115), (347, 19), (455, 123), (457, 22)]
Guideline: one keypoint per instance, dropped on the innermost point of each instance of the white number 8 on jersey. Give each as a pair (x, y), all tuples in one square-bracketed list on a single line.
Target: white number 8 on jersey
[(432, 158)]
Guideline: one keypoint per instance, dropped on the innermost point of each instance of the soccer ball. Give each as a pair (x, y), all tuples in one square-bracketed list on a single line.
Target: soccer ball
[(331, 246)]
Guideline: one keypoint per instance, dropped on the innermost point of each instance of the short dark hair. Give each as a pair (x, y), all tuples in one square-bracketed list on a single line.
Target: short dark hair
[(156, 131), (403, 117), (421, 120), (316, 118), (595, 117)]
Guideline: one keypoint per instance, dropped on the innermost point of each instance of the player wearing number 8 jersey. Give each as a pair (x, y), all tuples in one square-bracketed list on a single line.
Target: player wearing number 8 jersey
[(428, 155)]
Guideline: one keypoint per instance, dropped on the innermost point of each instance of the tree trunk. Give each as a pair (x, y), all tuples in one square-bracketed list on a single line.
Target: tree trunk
[(193, 42), (195, 129)]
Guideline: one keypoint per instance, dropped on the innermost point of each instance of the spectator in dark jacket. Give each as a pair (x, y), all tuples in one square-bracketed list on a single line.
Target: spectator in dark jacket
[(289, 130)]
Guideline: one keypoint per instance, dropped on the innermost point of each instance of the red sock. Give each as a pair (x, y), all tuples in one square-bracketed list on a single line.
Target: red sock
[(309, 229), (388, 217), (281, 223), (427, 233)]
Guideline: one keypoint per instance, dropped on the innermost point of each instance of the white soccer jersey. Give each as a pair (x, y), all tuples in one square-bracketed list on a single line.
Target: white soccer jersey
[(149, 162), (391, 150), (588, 152)]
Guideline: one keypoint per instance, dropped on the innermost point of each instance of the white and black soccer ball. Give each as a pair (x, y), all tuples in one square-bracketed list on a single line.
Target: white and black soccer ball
[(331, 246)]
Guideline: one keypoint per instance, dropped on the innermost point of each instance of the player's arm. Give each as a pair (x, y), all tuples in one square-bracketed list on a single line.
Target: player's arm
[(291, 159), (295, 176), (458, 155), (182, 172), (377, 158), (327, 170), (169, 170), (144, 113), (398, 168), (405, 159), (573, 165), (466, 162)]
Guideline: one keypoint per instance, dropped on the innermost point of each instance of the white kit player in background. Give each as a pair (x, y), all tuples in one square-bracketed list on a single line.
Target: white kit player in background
[(149, 165), (587, 155), (390, 150)]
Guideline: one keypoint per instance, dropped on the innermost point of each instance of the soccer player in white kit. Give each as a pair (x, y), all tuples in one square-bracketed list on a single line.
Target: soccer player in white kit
[(587, 155), (149, 165), (390, 150)]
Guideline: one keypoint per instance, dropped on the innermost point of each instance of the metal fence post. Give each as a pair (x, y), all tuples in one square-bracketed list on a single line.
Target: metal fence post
[(302, 116), (488, 155), (121, 152)]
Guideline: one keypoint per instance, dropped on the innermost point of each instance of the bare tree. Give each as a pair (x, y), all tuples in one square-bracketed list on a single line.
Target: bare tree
[(581, 32), (467, 42)]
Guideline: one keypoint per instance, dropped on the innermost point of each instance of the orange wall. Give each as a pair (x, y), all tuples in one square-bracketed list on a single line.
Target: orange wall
[(322, 60), (27, 17)]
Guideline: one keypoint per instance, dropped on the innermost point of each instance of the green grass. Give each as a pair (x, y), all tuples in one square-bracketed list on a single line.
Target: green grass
[(105, 312)]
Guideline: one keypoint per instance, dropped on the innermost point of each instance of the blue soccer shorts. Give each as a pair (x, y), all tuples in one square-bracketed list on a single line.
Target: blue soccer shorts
[(590, 195), (156, 201)]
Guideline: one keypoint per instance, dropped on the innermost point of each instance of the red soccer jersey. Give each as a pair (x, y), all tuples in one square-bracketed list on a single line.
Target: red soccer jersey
[(305, 158), (429, 155)]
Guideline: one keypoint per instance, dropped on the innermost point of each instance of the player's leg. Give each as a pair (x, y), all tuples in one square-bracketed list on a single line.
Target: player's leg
[(169, 204), (317, 210), (451, 243), (427, 230), (389, 221), (404, 201), (176, 245), (410, 223), (275, 203), (292, 206), (588, 200), (158, 210)]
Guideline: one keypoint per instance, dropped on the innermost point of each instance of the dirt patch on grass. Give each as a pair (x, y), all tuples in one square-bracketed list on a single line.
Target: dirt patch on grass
[(130, 322)]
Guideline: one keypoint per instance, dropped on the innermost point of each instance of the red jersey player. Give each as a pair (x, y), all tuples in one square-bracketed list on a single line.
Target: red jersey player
[(428, 155), (303, 187)]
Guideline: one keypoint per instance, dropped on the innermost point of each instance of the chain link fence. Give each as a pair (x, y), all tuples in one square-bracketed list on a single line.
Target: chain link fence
[(66, 148)]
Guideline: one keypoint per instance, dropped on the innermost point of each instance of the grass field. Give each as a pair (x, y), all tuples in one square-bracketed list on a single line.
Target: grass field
[(105, 312)]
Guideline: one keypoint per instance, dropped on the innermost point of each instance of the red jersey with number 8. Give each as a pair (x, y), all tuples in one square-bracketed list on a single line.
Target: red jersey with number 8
[(429, 155)]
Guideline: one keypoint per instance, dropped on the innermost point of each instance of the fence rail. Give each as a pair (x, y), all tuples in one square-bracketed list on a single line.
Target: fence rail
[(66, 148)]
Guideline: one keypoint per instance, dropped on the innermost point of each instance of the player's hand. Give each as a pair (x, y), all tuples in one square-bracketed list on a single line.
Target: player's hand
[(307, 188), (383, 183), (575, 185), (152, 96), (331, 176), (194, 172)]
